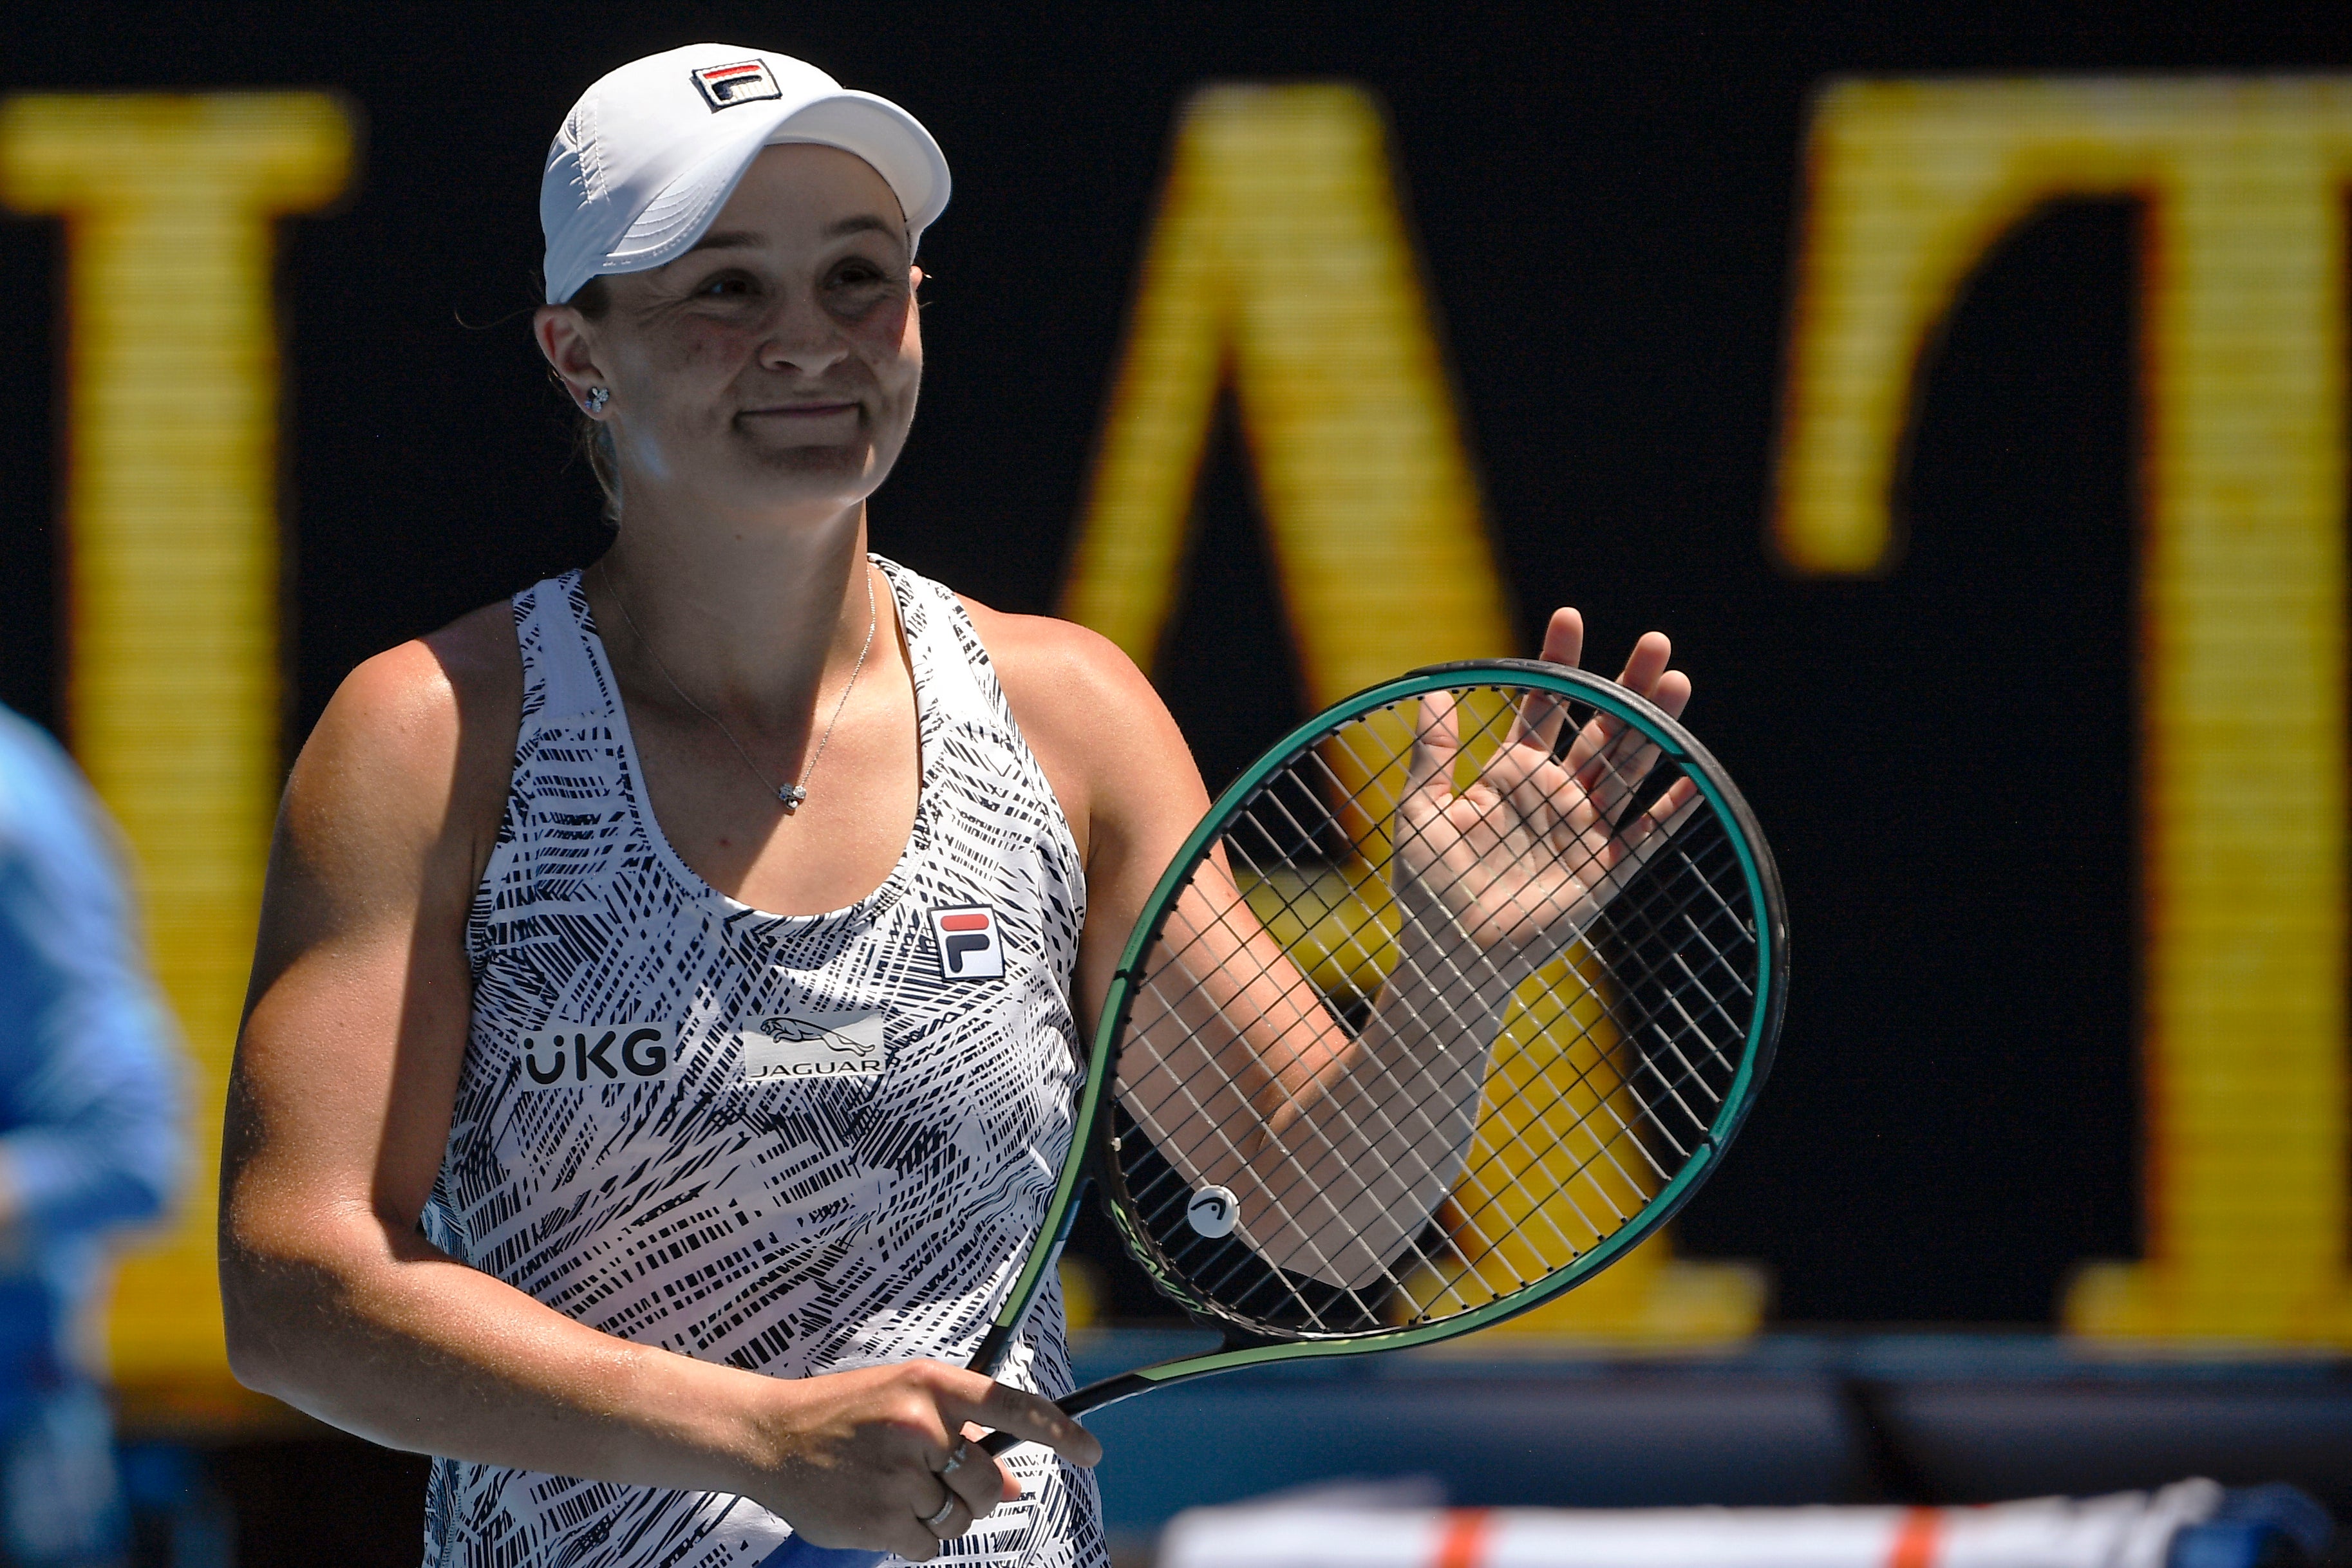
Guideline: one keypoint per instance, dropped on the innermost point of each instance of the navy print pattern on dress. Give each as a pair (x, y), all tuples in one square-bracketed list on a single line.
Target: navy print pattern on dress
[(842, 1153)]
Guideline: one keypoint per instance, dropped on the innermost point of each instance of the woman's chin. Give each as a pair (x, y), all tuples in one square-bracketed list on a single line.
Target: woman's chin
[(799, 475)]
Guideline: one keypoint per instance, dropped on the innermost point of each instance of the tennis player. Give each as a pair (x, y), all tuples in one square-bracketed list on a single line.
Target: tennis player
[(670, 981)]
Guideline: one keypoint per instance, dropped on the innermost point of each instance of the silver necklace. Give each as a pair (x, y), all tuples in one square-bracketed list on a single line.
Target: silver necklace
[(789, 796)]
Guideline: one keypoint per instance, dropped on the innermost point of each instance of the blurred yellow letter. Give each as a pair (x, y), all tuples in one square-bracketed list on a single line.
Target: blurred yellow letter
[(2242, 608), (172, 408), (1280, 260)]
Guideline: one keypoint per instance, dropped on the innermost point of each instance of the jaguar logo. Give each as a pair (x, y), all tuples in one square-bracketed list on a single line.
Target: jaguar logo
[(792, 1028), (833, 1045)]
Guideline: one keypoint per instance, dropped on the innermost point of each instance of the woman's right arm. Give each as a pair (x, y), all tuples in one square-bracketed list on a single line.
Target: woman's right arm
[(339, 1112)]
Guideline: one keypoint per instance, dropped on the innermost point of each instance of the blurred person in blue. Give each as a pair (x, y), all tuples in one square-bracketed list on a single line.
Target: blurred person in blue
[(90, 1142)]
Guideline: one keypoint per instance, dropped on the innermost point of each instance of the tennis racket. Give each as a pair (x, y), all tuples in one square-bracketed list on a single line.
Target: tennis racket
[(1455, 994)]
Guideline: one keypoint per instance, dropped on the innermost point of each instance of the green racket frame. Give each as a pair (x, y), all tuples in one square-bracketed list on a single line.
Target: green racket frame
[(1088, 1164)]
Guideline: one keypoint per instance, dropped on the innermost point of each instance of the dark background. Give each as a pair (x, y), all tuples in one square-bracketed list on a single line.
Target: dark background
[(1944, 758)]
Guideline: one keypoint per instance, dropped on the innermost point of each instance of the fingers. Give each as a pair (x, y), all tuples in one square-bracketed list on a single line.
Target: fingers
[(1033, 1418), (1660, 822), (1436, 739), (1648, 672), (1008, 1485), (1609, 760), (976, 1478), (1646, 667), (947, 1518), (1563, 641), (966, 1482), (1540, 716), (1673, 693)]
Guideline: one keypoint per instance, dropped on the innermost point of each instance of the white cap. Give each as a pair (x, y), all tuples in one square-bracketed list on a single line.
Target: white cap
[(650, 154)]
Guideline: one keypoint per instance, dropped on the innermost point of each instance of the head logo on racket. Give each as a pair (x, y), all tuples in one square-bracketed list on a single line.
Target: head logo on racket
[(1213, 1211)]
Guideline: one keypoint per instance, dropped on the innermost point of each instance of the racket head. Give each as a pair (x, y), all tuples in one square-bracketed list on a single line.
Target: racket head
[(1623, 1066)]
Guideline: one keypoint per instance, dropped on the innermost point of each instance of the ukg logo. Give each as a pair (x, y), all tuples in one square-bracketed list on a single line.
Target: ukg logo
[(567, 1055)]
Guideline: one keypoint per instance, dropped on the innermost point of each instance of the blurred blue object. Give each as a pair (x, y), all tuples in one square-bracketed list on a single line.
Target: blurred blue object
[(179, 1517), (89, 1141), (2255, 1526)]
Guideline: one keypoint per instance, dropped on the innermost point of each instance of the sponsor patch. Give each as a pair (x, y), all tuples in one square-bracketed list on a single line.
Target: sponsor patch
[(970, 945), (568, 1055), (746, 82), (840, 1045)]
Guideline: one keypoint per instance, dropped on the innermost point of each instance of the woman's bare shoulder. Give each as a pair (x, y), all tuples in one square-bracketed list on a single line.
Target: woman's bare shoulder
[(1106, 742), (418, 744), (1063, 673)]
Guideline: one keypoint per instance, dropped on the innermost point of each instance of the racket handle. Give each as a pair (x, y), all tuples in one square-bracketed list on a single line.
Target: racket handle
[(802, 1552)]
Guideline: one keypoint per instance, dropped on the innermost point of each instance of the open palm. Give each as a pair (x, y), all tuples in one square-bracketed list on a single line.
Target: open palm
[(1537, 843)]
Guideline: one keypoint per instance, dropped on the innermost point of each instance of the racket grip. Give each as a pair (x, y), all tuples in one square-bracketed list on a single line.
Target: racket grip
[(802, 1552)]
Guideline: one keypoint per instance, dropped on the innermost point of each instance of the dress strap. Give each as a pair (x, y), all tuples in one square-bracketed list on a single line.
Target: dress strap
[(560, 677), (943, 674)]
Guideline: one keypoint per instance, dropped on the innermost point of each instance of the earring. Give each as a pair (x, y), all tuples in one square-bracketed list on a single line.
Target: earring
[(597, 398)]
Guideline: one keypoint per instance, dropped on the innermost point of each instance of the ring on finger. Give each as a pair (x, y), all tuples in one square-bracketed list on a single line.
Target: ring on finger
[(956, 1460), (933, 1521)]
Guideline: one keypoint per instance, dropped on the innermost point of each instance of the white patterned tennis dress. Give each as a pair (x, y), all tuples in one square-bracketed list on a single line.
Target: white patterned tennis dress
[(791, 1144)]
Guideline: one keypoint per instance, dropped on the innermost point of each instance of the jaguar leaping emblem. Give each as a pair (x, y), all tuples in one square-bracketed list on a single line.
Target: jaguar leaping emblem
[(783, 1028)]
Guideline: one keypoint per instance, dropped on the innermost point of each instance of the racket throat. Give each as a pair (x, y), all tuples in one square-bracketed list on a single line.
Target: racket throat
[(1093, 1396)]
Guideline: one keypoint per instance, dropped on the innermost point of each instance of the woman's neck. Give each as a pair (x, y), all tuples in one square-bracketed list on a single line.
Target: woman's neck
[(748, 620)]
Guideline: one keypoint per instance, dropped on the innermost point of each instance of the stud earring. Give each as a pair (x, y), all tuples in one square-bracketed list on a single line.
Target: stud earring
[(597, 398)]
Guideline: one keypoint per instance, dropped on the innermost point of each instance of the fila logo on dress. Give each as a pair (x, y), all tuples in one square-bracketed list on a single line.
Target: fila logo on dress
[(969, 946), (727, 86)]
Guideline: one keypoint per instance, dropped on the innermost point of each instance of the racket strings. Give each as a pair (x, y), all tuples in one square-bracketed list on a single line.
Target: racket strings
[(1295, 833), (1609, 1064), (1541, 1120)]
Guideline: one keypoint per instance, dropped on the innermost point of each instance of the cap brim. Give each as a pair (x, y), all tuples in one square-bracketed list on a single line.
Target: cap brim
[(886, 137)]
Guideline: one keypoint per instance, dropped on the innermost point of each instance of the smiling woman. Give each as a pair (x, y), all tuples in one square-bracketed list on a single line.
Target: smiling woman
[(665, 1017), (654, 342)]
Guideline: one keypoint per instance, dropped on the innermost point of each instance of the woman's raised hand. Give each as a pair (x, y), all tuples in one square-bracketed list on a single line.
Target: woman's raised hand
[(1523, 858)]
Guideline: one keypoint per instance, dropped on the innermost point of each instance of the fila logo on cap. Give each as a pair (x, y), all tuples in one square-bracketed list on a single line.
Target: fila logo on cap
[(969, 947), (746, 82)]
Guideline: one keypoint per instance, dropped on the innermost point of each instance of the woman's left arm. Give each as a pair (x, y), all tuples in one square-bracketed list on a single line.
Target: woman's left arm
[(1286, 1099)]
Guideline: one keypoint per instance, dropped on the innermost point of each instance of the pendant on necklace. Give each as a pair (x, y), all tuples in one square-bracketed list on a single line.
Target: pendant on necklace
[(791, 796)]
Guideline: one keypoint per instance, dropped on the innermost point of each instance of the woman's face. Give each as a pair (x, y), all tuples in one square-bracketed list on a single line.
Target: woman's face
[(775, 363)]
